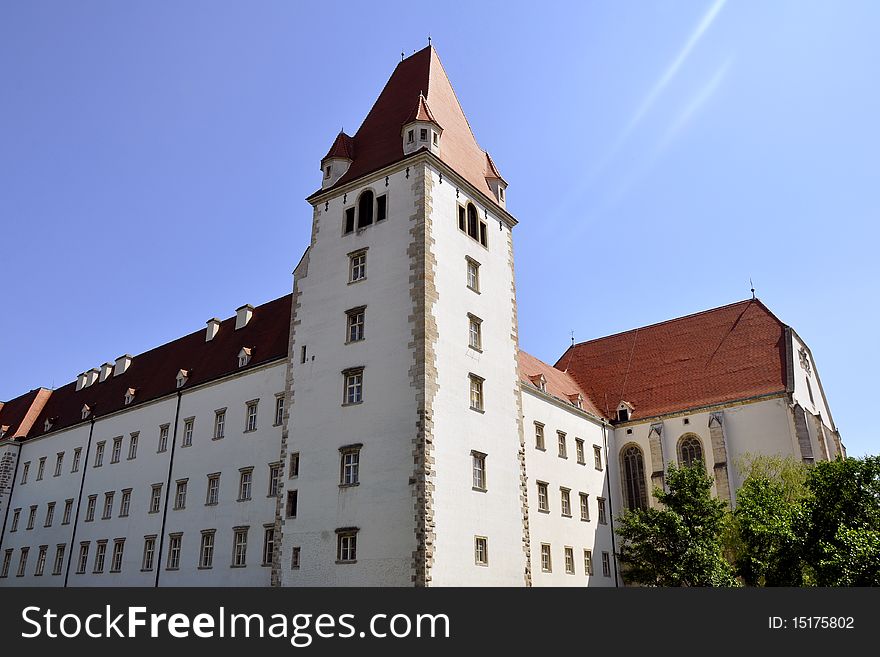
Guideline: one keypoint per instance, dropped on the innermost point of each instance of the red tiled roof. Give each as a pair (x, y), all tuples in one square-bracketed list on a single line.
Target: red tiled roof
[(421, 112), (18, 414), (556, 383), (152, 373), (343, 146), (379, 143), (491, 169), (720, 355)]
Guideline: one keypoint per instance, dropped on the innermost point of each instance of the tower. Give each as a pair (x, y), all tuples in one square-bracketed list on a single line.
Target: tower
[(403, 443)]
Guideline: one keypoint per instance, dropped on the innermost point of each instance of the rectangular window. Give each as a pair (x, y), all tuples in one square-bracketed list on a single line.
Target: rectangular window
[(349, 468), (59, 461), (565, 496), (597, 456), (251, 415), (41, 561), (346, 545), (125, 503), (116, 558), (293, 470), (563, 449), (24, 472), (219, 423), (206, 549), (68, 511), (294, 557), (606, 564), (163, 438), (108, 506), (600, 501), (268, 544), (423, 134), (579, 446), (32, 516), (274, 479), (546, 561), (212, 497), (354, 386), (588, 562), (475, 337), (585, 507), (476, 387), (244, 484), (292, 500), (41, 468), (543, 498), (188, 425), (473, 274), (50, 514), (83, 558), (357, 266), (354, 331), (539, 436), (239, 547), (7, 560), (302, 354), (76, 456), (180, 494), (484, 234), (381, 207), (116, 451), (22, 562), (175, 541), (133, 446), (410, 136), (149, 553), (155, 498), (99, 454), (279, 409), (569, 560), (349, 220), (481, 550), (59, 559), (15, 517), (100, 555), (479, 470)]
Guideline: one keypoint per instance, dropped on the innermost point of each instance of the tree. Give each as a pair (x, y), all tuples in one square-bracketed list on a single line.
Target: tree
[(680, 544)]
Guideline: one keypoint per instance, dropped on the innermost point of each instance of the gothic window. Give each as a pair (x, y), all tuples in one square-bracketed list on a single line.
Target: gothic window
[(635, 493), (365, 209), (690, 450), (472, 221)]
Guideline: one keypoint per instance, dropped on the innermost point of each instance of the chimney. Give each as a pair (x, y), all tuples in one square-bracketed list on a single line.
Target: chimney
[(213, 327), (81, 381), (122, 364), (106, 371), (243, 315), (91, 376)]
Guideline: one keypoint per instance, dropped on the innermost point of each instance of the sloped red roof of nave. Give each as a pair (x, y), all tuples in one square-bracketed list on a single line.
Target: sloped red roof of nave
[(724, 354), (557, 383)]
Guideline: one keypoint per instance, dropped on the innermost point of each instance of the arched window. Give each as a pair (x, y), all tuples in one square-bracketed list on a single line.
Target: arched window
[(635, 492), (365, 209), (472, 221), (690, 449)]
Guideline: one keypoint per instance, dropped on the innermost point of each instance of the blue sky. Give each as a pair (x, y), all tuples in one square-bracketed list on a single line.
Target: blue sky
[(155, 157)]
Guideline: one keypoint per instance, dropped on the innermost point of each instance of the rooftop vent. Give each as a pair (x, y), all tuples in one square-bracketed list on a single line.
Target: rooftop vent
[(122, 364), (244, 356), (129, 396), (213, 328), (106, 371), (81, 381), (243, 316), (91, 377)]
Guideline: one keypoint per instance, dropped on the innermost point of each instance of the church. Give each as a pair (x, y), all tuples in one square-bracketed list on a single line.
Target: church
[(380, 426)]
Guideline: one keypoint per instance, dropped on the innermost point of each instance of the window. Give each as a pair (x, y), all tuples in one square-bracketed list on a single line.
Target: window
[(423, 134), (410, 136), (585, 507), (108, 506), (606, 564), (129, 396), (22, 562), (327, 171), (623, 414), (125, 503), (349, 470), (91, 505), (68, 511), (59, 461), (239, 547), (501, 193), (357, 266), (244, 484), (381, 207), (133, 446), (346, 545), (810, 392), (116, 452), (588, 562), (565, 496), (268, 544), (469, 221), (539, 436), (475, 339), (473, 275), (597, 457), (543, 498), (365, 209), (481, 550), (206, 549), (83, 558), (100, 555), (99, 454), (292, 501), (569, 560), (279, 409), (32, 516), (354, 329), (59, 559), (7, 560), (76, 455), (635, 493), (50, 514), (212, 497), (163, 438), (180, 494), (41, 468), (15, 516), (244, 356), (690, 450), (563, 449), (149, 553), (349, 220), (302, 354), (41, 560), (295, 557), (251, 414), (354, 386), (155, 498), (188, 425), (436, 138), (24, 472), (546, 561), (274, 479), (579, 448), (479, 470), (174, 544), (293, 470), (600, 502), (219, 423), (116, 557), (476, 392)]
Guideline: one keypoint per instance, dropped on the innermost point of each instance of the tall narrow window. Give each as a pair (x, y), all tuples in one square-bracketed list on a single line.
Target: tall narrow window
[(472, 221), (588, 562), (212, 496), (606, 564), (579, 447), (357, 266), (690, 450), (597, 457), (635, 493), (268, 544), (100, 556), (125, 503), (810, 392), (346, 545), (600, 503), (163, 438), (149, 553), (349, 220), (295, 557), (16, 514), (293, 470), (99, 454), (543, 499), (546, 561), (365, 209), (244, 484), (41, 468), (41, 560), (59, 558), (569, 560), (274, 479), (32, 516), (206, 549), (91, 505), (219, 423), (83, 558), (50, 514), (251, 415), (354, 331), (116, 558), (188, 426), (478, 467), (475, 336), (539, 436), (473, 275), (279, 409), (354, 386), (560, 440), (76, 456), (481, 550), (292, 503), (476, 387), (133, 446), (68, 511), (108, 505), (381, 207), (116, 452), (585, 507), (155, 498), (24, 472), (180, 494), (59, 461), (239, 547), (565, 497), (175, 542), (7, 560), (22, 562), (349, 470)]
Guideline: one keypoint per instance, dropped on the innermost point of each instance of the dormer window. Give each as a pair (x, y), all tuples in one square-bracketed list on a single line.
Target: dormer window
[(410, 136), (540, 382), (244, 356), (47, 425), (129, 396), (577, 401), (86, 411), (624, 411), (182, 376)]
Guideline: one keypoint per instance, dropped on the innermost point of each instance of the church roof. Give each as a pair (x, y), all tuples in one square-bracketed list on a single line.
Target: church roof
[(725, 354), (558, 384), (18, 415), (378, 142), (343, 146)]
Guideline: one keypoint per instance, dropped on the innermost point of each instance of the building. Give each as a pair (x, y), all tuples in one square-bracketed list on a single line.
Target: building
[(380, 425)]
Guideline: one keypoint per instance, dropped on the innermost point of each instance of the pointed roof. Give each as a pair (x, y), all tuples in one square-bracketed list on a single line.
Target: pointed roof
[(343, 147), (421, 112), (378, 142), (556, 383), (720, 355), (491, 170)]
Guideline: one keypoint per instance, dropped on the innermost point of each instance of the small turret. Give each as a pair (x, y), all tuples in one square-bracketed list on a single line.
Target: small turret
[(338, 159), (421, 130)]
